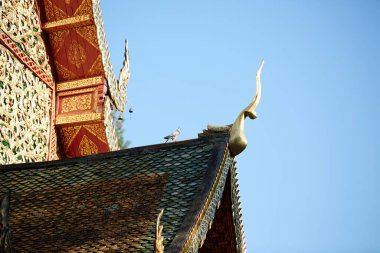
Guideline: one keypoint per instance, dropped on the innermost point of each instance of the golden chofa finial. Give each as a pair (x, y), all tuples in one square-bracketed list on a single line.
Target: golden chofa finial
[(238, 141)]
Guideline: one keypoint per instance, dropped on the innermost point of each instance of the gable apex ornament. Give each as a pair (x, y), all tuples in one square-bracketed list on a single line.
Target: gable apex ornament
[(124, 76), (238, 141)]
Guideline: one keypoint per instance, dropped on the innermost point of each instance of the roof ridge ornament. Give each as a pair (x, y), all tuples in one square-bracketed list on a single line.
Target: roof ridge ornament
[(159, 243), (124, 74), (238, 141)]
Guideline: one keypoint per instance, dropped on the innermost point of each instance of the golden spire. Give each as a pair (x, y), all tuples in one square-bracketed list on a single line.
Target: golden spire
[(238, 141)]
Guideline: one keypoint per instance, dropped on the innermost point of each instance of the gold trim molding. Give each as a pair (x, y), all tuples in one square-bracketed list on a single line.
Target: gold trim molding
[(75, 92), (68, 23), (82, 83), (80, 118)]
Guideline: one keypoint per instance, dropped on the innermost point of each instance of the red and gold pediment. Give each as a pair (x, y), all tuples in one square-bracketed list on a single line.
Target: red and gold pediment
[(62, 9), (76, 54), (84, 76), (78, 44), (86, 139)]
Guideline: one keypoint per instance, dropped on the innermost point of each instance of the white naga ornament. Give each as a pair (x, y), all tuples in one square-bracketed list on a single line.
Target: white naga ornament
[(24, 112), (117, 89)]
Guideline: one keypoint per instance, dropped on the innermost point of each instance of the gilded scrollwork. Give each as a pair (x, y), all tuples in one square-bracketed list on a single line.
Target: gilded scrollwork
[(76, 54), (97, 130), (20, 21), (24, 112), (78, 84), (87, 147), (78, 118), (76, 103), (68, 134)]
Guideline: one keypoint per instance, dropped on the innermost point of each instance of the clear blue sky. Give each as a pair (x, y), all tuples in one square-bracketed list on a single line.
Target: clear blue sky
[(310, 177)]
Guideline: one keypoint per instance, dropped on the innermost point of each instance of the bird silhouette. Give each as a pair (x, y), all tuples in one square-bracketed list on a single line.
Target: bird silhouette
[(173, 135)]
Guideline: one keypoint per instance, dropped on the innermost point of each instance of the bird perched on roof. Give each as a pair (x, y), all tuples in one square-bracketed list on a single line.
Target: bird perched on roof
[(173, 135)]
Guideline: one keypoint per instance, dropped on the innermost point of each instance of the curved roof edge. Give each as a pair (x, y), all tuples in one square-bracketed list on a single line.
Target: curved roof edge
[(221, 174)]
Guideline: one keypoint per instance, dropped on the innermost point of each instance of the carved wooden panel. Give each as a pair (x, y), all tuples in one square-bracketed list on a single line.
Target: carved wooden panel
[(25, 102), (86, 139), (20, 21), (76, 54)]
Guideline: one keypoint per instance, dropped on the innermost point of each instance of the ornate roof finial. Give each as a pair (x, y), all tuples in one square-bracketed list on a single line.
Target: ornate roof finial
[(238, 141), (159, 243), (124, 73)]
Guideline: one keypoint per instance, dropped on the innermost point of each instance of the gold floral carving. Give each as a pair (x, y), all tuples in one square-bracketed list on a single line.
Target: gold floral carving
[(20, 21), (68, 134), (98, 130), (76, 103), (84, 8), (89, 34), (97, 67), (53, 12), (24, 112), (76, 54), (57, 39), (87, 147), (25, 59), (63, 73), (61, 119), (82, 83)]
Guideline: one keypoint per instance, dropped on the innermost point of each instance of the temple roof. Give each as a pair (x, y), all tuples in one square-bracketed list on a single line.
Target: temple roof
[(109, 202)]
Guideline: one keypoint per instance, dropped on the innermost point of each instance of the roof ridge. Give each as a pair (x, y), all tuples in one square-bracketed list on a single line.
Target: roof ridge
[(129, 151)]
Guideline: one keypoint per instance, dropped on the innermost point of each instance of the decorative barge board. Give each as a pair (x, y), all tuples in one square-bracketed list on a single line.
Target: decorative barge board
[(86, 90), (109, 202)]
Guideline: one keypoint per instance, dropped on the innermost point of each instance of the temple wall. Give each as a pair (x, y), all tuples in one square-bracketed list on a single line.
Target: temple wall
[(25, 102), (20, 21)]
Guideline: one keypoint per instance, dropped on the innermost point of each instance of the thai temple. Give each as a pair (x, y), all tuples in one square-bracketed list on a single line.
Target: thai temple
[(65, 185)]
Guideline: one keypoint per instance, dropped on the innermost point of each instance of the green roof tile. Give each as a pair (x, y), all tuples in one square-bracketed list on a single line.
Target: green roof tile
[(109, 201)]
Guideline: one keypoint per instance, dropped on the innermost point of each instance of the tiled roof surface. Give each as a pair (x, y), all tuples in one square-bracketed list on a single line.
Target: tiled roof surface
[(110, 201)]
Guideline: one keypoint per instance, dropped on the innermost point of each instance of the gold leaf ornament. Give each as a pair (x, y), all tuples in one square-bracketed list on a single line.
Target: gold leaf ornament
[(159, 243), (238, 141)]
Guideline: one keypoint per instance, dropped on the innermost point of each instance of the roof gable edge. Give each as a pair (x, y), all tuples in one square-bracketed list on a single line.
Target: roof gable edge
[(203, 208)]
